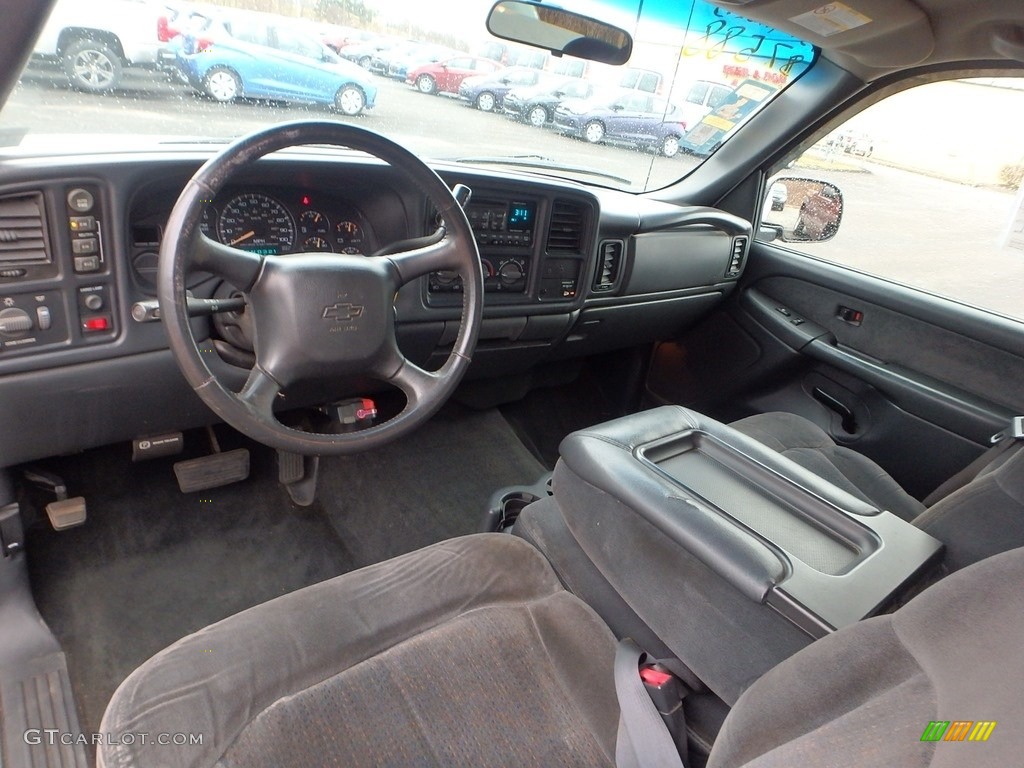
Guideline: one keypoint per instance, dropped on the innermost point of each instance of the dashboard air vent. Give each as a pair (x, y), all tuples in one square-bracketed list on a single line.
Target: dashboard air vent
[(22, 230), (566, 230), (739, 249), (609, 265)]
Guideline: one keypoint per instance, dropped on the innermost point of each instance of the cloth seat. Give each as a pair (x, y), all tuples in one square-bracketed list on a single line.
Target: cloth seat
[(808, 445), (469, 652), (466, 653)]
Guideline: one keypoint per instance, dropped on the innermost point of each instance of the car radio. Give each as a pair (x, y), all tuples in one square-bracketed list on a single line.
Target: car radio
[(504, 232)]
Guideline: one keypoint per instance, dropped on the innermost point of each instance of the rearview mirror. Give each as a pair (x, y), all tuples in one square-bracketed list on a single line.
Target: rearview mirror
[(559, 31), (803, 210)]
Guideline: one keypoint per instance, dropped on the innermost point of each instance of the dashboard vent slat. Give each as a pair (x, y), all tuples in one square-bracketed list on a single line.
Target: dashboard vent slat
[(609, 265), (739, 250), (566, 230), (22, 229)]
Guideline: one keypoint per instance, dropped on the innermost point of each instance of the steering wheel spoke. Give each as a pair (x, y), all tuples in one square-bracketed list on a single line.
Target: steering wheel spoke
[(260, 393), (238, 267), (414, 381), (442, 255)]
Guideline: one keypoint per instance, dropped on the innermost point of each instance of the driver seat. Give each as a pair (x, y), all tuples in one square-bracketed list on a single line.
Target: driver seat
[(471, 653)]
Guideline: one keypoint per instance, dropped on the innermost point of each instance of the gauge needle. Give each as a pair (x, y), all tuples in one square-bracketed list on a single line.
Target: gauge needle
[(240, 238)]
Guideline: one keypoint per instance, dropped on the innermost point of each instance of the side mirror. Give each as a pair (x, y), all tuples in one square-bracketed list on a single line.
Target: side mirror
[(803, 210), (559, 31)]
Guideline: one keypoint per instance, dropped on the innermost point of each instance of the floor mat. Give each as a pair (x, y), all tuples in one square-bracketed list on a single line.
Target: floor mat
[(152, 565)]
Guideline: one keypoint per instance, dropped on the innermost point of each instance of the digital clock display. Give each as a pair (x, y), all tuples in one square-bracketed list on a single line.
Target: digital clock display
[(520, 217)]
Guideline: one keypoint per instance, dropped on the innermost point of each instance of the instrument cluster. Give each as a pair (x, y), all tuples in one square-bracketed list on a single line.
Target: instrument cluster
[(274, 222)]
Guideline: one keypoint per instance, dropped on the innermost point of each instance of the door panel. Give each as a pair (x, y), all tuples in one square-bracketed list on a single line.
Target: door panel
[(919, 384)]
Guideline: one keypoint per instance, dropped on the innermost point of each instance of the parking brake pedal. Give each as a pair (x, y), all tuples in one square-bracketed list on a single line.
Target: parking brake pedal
[(217, 469), (64, 512)]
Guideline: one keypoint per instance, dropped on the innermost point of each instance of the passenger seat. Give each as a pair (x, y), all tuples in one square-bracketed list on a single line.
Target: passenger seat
[(980, 519)]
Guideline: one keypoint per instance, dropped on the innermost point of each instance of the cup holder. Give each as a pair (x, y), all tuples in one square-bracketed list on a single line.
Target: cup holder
[(507, 503)]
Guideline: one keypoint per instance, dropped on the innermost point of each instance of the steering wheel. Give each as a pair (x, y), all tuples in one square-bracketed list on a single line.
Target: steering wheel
[(317, 316)]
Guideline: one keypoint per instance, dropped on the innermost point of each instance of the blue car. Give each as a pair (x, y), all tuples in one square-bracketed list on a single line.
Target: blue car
[(629, 118), (487, 92), (254, 56)]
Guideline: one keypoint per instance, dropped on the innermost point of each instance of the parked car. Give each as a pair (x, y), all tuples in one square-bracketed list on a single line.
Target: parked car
[(396, 61), (362, 53), (336, 37), (631, 118), (447, 75), (701, 97), (94, 42), (857, 143), (487, 92), (536, 104), (255, 56), (399, 67)]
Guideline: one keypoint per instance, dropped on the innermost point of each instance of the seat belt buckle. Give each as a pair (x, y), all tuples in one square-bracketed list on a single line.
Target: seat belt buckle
[(663, 687), (1015, 432), (667, 693)]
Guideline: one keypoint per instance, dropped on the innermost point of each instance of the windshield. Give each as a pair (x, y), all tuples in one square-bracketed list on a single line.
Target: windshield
[(428, 75)]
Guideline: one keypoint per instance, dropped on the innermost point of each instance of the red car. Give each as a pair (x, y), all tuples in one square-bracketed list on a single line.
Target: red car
[(446, 76)]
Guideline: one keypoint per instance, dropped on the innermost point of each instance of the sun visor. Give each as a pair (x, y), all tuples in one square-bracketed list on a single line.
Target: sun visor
[(876, 34)]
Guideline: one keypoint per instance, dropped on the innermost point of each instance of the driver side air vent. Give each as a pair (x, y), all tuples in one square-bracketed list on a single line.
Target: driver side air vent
[(739, 250), (566, 230), (22, 230), (609, 265)]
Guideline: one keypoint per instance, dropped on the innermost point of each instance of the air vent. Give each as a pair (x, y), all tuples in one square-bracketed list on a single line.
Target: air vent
[(566, 230), (22, 230), (609, 265), (739, 250)]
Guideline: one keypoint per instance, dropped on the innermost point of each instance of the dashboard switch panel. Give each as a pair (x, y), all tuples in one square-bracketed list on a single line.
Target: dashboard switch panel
[(31, 320), (94, 314), (84, 231)]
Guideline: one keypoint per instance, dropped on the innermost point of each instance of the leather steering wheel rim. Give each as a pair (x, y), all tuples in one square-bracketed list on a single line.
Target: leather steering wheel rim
[(317, 315)]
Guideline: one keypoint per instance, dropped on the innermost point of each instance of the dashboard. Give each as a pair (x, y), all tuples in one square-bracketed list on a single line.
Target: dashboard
[(570, 271)]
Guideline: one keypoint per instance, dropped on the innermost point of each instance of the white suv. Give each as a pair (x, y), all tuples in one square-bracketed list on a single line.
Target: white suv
[(94, 40)]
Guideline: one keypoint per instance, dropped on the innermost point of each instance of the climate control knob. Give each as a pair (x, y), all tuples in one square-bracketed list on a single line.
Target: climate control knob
[(511, 272), (14, 321)]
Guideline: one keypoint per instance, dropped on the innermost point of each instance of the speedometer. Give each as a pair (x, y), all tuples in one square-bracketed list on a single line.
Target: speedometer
[(256, 222)]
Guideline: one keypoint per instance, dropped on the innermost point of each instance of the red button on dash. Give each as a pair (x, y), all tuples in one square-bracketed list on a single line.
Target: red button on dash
[(96, 324)]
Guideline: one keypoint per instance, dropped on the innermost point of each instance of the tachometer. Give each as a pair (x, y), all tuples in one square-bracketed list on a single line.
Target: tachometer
[(256, 222)]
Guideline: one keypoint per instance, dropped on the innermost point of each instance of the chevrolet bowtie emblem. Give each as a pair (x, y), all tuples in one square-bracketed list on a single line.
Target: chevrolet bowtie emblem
[(342, 313)]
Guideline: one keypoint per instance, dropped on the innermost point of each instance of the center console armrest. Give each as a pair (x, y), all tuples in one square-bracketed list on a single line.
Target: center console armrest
[(779, 534)]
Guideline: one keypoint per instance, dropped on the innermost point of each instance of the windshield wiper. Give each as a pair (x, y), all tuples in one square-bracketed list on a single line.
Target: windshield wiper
[(539, 162)]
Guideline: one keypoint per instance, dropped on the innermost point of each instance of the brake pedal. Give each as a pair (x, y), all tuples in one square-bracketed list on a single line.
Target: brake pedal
[(213, 471)]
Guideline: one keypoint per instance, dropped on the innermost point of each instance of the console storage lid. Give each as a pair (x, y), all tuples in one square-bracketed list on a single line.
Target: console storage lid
[(777, 533)]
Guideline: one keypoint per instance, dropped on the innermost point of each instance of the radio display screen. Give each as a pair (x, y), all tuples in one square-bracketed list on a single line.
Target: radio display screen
[(520, 217)]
